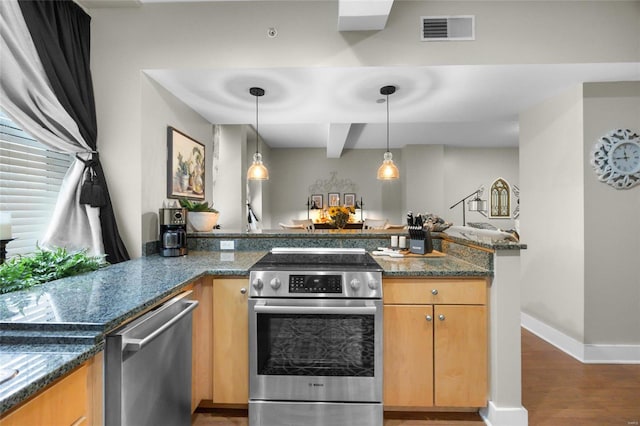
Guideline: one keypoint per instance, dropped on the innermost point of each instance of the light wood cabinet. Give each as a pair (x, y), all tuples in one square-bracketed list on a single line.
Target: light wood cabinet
[(435, 343), (74, 400), (230, 341), (202, 364)]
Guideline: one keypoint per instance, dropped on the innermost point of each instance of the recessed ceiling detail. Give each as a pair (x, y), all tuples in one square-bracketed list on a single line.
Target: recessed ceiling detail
[(459, 105)]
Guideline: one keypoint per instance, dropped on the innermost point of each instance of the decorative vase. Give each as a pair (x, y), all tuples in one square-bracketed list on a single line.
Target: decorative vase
[(184, 183), (202, 221), (340, 221)]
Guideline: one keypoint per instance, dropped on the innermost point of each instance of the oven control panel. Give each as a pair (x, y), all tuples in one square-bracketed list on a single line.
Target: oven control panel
[(315, 283), (325, 284)]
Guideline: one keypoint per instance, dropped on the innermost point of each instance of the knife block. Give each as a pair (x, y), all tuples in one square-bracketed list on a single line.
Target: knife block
[(423, 246)]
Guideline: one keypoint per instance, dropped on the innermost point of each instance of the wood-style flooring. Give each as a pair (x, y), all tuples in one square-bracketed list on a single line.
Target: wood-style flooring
[(557, 390)]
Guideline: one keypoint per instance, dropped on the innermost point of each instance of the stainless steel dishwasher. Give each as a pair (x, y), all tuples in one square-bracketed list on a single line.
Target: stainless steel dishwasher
[(148, 367)]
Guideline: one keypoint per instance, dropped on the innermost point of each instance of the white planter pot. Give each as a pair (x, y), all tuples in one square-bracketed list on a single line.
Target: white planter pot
[(202, 221)]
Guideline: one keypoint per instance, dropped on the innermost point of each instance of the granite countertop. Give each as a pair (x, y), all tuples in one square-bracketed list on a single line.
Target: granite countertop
[(59, 325), (446, 266), (56, 326)]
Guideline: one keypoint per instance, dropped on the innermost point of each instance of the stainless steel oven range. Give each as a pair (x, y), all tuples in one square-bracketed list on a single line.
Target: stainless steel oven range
[(315, 338)]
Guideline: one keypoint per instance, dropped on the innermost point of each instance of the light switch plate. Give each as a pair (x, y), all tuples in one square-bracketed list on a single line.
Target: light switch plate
[(227, 245)]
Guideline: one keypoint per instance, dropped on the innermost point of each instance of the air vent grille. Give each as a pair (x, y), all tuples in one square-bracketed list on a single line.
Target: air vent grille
[(442, 28)]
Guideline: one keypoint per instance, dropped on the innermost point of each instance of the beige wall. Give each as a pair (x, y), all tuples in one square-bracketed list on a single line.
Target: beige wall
[(579, 273), (465, 169), (126, 41), (432, 178), (611, 225), (159, 110), (294, 171), (552, 212)]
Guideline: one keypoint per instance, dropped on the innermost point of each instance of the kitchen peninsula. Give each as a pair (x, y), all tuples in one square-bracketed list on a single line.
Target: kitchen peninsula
[(82, 309)]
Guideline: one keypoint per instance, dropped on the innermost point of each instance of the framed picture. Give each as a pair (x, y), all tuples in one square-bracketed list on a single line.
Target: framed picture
[(350, 199), (185, 166), (334, 199), (317, 202)]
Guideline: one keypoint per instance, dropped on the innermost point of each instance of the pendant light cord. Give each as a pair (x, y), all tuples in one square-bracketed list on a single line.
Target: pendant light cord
[(257, 151), (387, 123)]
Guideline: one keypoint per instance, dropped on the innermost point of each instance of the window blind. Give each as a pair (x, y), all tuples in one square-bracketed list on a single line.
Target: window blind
[(30, 179)]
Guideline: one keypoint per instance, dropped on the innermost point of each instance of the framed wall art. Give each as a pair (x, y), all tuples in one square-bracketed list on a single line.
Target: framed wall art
[(185, 166), (350, 199), (317, 202), (334, 199)]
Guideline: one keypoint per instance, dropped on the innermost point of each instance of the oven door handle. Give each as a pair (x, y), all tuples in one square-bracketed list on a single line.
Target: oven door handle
[(306, 310)]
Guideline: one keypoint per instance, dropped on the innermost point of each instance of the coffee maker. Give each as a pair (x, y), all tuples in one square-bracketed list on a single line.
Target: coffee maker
[(173, 231)]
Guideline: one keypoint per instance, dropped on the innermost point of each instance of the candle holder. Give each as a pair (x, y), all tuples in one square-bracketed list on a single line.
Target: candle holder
[(360, 206), (3, 249)]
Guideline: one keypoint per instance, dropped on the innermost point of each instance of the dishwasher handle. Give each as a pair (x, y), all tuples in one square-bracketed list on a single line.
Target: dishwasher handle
[(134, 345)]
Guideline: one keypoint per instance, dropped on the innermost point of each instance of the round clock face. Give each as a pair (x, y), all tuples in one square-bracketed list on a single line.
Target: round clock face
[(616, 159), (625, 158)]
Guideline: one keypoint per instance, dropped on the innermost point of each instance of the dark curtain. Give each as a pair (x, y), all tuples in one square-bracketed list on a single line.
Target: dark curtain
[(62, 36)]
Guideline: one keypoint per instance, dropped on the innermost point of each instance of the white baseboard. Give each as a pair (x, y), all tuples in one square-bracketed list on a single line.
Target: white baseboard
[(588, 354), (496, 416)]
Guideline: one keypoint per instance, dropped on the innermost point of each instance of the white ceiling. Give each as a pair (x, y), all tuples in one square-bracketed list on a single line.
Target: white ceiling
[(313, 107)]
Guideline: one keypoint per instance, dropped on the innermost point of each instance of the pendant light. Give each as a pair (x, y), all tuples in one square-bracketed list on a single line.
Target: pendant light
[(388, 170), (257, 171)]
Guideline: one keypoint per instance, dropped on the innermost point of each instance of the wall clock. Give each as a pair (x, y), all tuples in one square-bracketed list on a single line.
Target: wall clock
[(616, 158)]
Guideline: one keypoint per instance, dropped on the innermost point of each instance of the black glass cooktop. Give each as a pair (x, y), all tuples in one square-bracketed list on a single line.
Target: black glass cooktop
[(317, 260)]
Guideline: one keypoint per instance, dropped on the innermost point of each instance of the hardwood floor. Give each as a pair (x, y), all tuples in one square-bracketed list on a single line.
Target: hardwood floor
[(557, 390)]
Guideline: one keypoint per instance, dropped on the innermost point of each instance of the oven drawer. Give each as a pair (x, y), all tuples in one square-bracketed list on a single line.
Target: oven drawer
[(434, 291)]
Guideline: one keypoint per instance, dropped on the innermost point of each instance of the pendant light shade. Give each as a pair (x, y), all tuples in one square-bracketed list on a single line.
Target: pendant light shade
[(388, 170), (257, 171)]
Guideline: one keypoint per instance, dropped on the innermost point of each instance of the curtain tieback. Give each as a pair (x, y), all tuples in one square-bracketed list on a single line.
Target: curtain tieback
[(92, 191)]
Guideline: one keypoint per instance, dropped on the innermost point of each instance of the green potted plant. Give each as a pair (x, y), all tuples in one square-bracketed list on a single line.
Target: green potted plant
[(23, 272), (201, 217)]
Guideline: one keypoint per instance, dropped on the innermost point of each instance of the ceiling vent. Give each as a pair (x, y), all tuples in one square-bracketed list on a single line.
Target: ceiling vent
[(443, 28)]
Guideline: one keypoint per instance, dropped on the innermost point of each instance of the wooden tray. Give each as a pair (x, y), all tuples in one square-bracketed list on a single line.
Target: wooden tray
[(434, 253)]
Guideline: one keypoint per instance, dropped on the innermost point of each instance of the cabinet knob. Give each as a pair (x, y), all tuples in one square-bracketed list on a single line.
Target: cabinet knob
[(428, 318), (243, 290), (434, 291), (441, 317)]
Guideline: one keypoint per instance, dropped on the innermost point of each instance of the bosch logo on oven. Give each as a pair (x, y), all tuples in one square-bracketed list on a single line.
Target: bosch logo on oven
[(316, 385)]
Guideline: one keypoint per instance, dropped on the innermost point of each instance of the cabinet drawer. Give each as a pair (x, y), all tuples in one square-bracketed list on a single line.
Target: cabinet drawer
[(63, 404), (472, 291)]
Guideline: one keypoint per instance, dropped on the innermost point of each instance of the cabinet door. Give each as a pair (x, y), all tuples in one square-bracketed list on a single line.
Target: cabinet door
[(460, 355), (408, 356), (230, 341), (202, 364), (65, 403)]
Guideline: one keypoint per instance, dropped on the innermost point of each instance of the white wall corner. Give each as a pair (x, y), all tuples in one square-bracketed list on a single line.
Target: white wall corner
[(504, 416), (587, 354)]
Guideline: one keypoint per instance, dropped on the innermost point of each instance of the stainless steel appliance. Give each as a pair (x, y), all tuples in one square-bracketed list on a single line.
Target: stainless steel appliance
[(173, 231), (148, 368), (315, 330)]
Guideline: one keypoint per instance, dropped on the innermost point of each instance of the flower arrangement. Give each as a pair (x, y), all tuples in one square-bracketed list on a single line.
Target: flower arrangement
[(340, 215)]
